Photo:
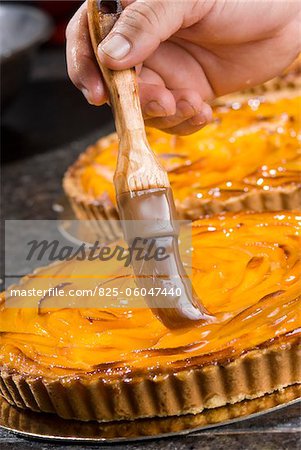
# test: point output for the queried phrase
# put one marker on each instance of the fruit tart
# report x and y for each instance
(249, 158)
(116, 363)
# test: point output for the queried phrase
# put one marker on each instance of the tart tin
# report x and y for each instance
(50, 427)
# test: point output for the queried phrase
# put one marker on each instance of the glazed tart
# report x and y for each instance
(249, 158)
(122, 363)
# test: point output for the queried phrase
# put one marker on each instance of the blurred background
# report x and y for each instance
(41, 110)
(45, 121)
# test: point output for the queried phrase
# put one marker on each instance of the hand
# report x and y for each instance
(187, 52)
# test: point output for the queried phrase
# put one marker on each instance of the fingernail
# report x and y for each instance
(198, 120)
(117, 47)
(154, 109)
(185, 109)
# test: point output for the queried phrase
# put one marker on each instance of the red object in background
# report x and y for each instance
(61, 12)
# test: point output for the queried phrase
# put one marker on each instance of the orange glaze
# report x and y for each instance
(245, 267)
(250, 146)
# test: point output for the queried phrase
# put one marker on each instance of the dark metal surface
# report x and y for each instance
(22, 30)
(50, 119)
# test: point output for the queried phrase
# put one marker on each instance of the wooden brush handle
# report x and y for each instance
(137, 167)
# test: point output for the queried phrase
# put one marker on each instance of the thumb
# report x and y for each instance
(142, 26)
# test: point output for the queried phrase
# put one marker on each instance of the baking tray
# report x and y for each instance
(51, 428)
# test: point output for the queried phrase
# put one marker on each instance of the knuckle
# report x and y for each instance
(153, 11)
(192, 97)
(139, 17)
(77, 22)
(70, 29)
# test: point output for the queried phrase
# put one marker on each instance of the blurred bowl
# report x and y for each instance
(22, 30)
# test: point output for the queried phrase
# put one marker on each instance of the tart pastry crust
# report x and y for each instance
(49, 425)
(270, 367)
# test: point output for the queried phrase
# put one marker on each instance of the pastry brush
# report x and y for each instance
(144, 197)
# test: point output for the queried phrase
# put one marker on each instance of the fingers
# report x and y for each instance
(155, 99)
(81, 64)
(191, 114)
(179, 67)
(173, 110)
(142, 26)
(166, 108)
(192, 125)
